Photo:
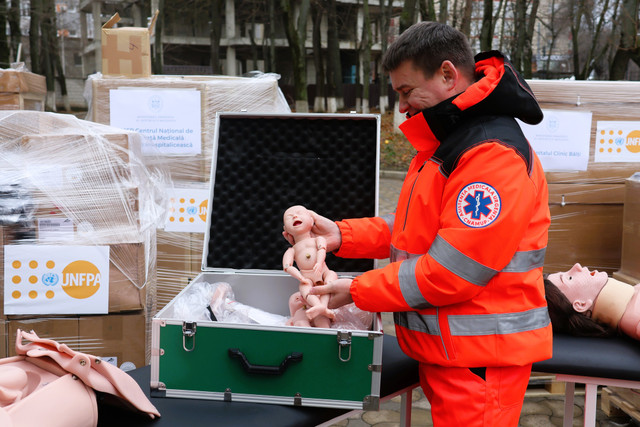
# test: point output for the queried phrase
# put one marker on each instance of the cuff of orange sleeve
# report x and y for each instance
(346, 233)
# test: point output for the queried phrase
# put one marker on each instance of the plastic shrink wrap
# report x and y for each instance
(587, 206)
(180, 242)
(67, 185)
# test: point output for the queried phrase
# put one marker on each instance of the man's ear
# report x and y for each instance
(449, 73)
(582, 305)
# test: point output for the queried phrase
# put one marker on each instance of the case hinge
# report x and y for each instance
(375, 368)
(371, 403)
(344, 340)
(227, 395)
(189, 331)
(297, 399)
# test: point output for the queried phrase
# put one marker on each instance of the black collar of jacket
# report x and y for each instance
(511, 97)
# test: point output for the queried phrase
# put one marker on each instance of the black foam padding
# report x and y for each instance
(264, 164)
(617, 358)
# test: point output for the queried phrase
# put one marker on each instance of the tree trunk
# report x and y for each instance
(465, 25)
(252, 39)
(272, 36)
(527, 51)
(14, 29)
(385, 13)
(319, 102)
(486, 33)
(427, 10)
(627, 48)
(158, 56)
(334, 65)
(408, 16)
(366, 56)
(519, 34)
(444, 12)
(47, 39)
(35, 12)
(5, 50)
(296, 35)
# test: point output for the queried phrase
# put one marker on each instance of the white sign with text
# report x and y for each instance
(168, 119)
(561, 140)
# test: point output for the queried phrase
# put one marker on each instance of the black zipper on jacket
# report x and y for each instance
(406, 214)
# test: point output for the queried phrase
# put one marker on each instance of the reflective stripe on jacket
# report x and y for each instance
(468, 237)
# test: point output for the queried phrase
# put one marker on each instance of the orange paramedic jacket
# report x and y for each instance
(468, 238)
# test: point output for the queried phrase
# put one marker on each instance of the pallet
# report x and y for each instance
(618, 401)
(541, 383)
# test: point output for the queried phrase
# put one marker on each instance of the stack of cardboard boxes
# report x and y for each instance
(587, 206)
(180, 241)
(72, 188)
(22, 90)
(630, 262)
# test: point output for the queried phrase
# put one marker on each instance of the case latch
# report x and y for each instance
(344, 340)
(189, 331)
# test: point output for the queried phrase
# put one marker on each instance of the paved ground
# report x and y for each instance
(541, 408)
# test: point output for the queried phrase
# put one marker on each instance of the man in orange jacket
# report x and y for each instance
(468, 237)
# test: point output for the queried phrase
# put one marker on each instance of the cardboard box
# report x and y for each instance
(126, 51)
(585, 226)
(217, 94)
(607, 101)
(179, 260)
(21, 101)
(3, 338)
(130, 279)
(118, 338)
(630, 263)
(22, 90)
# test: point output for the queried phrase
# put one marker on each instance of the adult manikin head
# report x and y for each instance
(580, 286)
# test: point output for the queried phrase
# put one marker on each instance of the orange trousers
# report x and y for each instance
(460, 397)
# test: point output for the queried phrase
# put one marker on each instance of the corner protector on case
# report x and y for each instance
(158, 389)
(371, 403)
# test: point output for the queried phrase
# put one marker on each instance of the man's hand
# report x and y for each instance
(339, 290)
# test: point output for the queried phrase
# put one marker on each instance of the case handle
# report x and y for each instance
(250, 368)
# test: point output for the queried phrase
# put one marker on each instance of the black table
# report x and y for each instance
(593, 362)
(399, 373)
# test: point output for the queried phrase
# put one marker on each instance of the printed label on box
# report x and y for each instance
(187, 210)
(561, 140)
(168, 119)
(55, 229)
(617, 142)
(51, 279)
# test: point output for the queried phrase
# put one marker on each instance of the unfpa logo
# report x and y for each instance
(614, 142)
(633, 141)
(81, 279)
(52, 279)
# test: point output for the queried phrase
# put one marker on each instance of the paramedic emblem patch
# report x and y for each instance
(478, 205)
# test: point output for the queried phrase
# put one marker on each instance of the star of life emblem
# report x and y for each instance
(478, 205)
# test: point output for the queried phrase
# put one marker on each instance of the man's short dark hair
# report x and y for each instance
(427, 45)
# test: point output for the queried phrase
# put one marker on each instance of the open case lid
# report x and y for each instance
(262, 164)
